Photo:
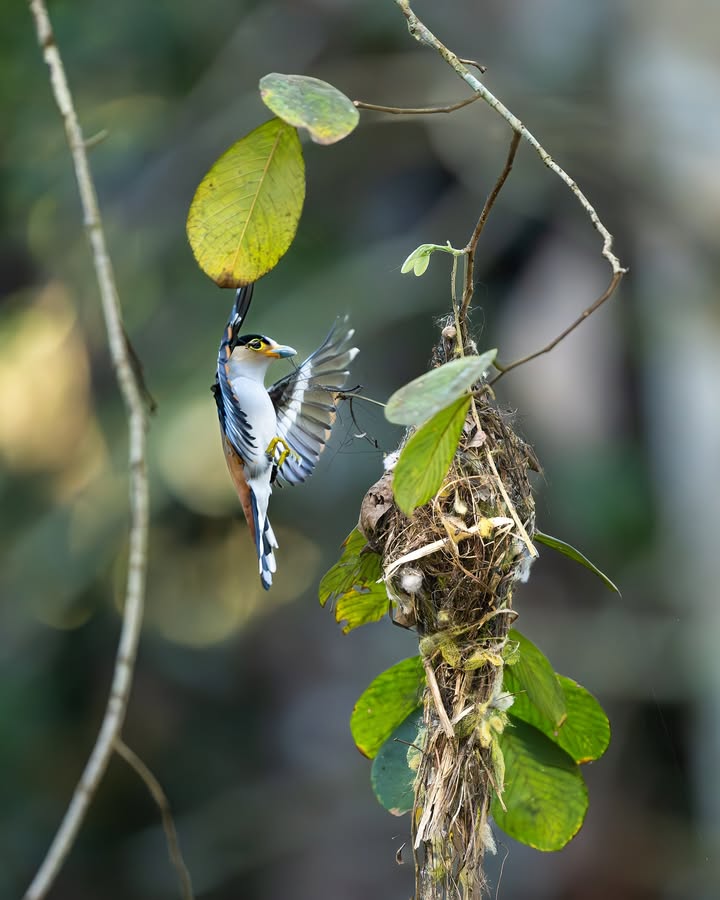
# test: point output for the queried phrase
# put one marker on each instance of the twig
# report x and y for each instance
(607, 293)
(439, 705)
(460, 340)
(473, 62)
(137, 558)
(532, 550)
(96, 139)
(423, 34)
(160, 798)
(348, 395)
(487, 208)
(416, 111)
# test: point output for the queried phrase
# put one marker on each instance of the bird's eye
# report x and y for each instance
(255, 345)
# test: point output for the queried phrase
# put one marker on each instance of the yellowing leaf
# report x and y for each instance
(352, 584)
(362, 605)
(426, 458)
(246, 210)
(310, 103)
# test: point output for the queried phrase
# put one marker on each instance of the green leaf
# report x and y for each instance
(417, 401)
(419, 265)
(545, 795)
(309, 103)
(497, 761)
(425, 459)
(383, 705)
(246, 210)
(584, 735)
(352, 585)
(419, 259)
(362, 605)
(570, 551)
(393, 769)
(535, 676)
(353, 569)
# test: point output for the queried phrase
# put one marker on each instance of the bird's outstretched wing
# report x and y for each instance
(305, 400)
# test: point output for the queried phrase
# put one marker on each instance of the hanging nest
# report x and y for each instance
(451, 570)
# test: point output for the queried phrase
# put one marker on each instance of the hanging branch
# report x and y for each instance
(423, 34)
(139, 502)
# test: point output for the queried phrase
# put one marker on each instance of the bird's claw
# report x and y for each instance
(284, 452)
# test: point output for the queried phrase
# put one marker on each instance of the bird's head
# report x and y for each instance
(256, 348)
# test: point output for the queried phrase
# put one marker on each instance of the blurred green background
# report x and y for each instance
(241, 701)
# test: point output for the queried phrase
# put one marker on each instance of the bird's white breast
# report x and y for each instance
(255, 402)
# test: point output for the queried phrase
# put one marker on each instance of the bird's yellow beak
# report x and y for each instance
(279, 351)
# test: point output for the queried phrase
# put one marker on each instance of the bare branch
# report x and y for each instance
(607, 293)
(423, 34)
(160, 798)
(472, 62)
(416, 111)
(473, 242)
(139, 504)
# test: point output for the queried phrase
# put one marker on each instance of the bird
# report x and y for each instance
(276, 433)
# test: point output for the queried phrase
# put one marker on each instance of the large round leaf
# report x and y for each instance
(246, 210)
(306, 102)
(384, 704)
(584, 735)
(545, 795)
(533, 674)
(394, 768)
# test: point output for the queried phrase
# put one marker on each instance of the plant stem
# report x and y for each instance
(160, 798)
(418, 110)
(487, 208)
(423, 34)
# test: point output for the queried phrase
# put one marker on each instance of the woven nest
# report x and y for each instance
(451, 570)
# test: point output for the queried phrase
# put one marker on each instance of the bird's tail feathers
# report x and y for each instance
(265, 541)
(243, 298)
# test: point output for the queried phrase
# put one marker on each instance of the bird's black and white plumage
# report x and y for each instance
(276, 432)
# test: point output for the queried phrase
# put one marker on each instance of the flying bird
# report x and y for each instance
(277, 432)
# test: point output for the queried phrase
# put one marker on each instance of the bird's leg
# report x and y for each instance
(285, 451)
